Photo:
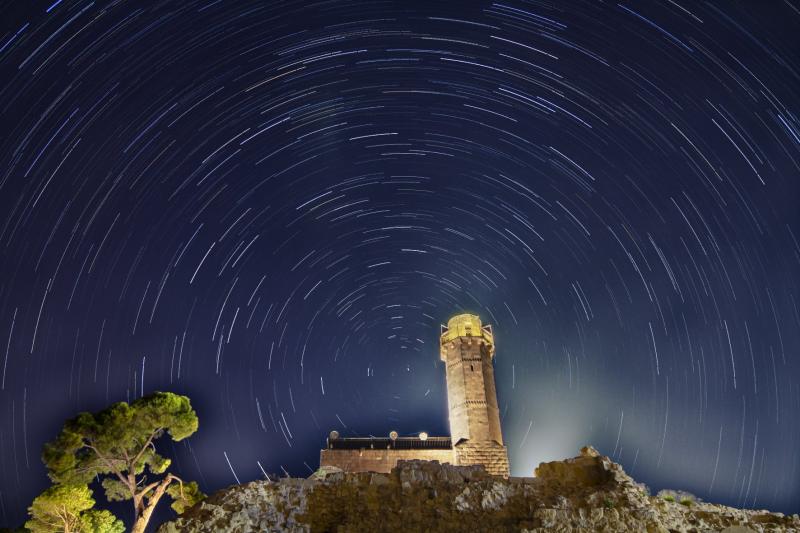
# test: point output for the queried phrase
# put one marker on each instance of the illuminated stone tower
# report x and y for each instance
(467, 349)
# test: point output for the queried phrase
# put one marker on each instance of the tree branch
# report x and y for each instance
(111, 466)
(180, 482)
(146, 444)
(150, 487)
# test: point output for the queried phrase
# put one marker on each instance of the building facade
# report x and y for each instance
(467, 349)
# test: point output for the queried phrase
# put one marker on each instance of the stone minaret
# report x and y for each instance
(467, 348)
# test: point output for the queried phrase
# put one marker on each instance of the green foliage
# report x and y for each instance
(608, 503)
(116, 490)
(59, 508)
(119, 439)
(184, 495)
(117, 444)
(684, 498)
(96, 521)
(69, 508)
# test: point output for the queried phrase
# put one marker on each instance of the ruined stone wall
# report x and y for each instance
(489, 454)
(382, 460)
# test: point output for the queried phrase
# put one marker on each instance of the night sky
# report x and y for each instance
(271, 207)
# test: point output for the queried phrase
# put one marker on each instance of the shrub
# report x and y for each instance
(679, 496)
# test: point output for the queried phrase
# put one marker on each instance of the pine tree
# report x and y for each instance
(117, 445)
(68, 508)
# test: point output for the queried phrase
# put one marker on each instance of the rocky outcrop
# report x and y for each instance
(583, 494)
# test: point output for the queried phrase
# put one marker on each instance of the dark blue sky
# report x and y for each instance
(272, 206)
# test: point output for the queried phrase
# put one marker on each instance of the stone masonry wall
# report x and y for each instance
(471, 395)
(383, 460)
(489, 454)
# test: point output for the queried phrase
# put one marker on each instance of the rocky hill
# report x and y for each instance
(586, 493)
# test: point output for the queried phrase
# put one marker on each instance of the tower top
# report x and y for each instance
(467, 325)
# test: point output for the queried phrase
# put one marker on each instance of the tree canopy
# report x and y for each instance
(68, 508)
(100, 521)
(117, 444)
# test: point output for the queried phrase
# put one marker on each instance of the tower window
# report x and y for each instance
(471, 368)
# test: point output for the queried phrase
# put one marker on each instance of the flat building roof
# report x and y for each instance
(400, 443)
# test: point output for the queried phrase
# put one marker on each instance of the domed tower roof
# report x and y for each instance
(467, 325)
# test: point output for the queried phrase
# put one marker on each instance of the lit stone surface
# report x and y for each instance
(379, 460)
(582, 494)
(471, 394)
(467, 349)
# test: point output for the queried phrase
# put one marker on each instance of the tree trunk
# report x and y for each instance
(140, 525)
(142, 519)
(137, 511)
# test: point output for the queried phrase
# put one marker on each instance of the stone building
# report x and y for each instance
(467, 349)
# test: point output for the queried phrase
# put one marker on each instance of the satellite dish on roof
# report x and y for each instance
(333, 435)
(393, 435)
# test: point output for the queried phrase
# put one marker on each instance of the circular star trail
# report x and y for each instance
(272, 206)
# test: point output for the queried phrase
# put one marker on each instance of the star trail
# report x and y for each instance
(271, 207)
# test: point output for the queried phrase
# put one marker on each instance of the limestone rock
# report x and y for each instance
(586, 493)
(248, 508)
(589, 451)
(496, 497)
(324, 472)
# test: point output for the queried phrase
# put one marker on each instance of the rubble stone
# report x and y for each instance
(583, 494)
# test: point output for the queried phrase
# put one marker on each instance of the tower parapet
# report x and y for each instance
(467, 349)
